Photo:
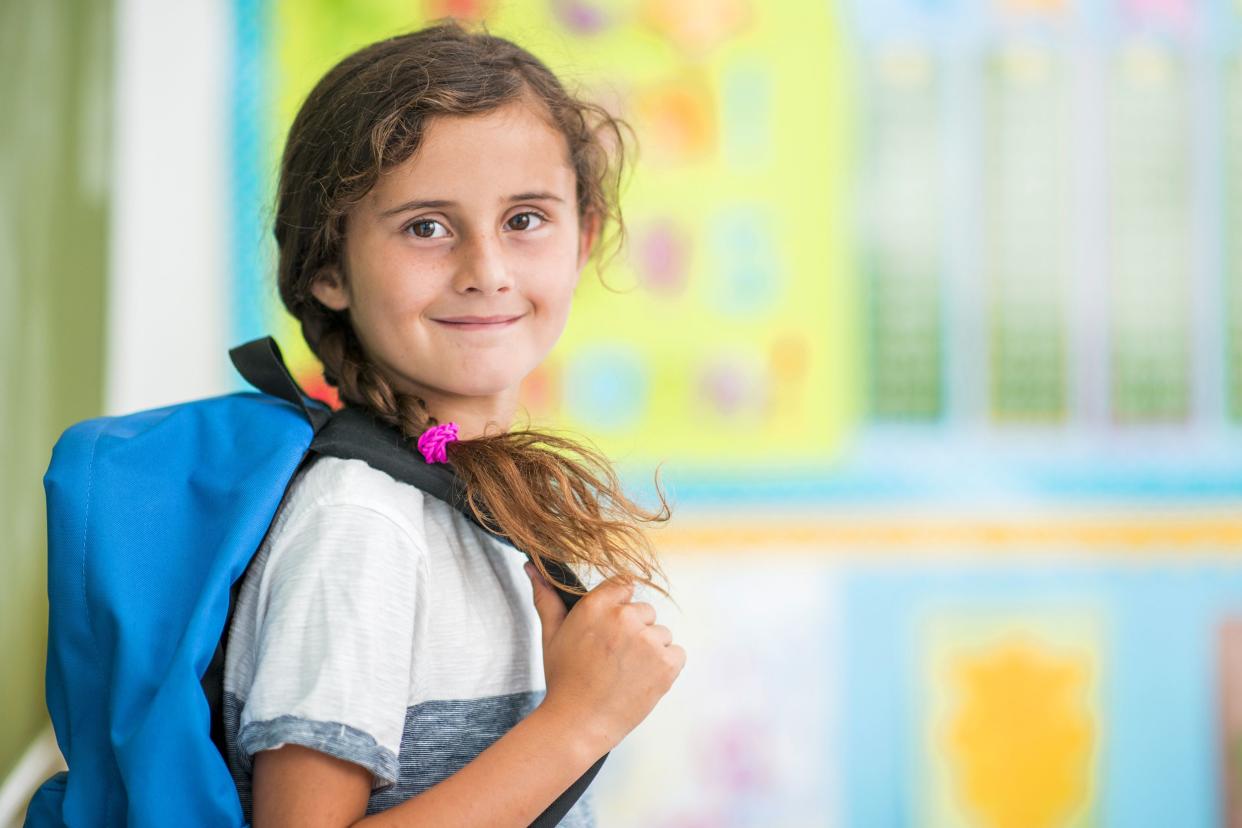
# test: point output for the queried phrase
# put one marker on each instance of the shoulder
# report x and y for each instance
(355, 492)
(345, 523)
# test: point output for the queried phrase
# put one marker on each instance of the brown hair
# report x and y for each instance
(556, 498)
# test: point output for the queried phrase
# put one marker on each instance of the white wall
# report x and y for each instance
(169, 278)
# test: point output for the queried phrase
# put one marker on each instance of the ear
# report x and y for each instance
(329, 288)
(588, 234)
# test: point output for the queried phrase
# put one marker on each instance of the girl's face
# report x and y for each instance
(459, 266)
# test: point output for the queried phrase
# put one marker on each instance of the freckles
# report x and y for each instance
(412, 292)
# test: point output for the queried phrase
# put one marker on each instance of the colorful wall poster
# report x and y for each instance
(932, 312)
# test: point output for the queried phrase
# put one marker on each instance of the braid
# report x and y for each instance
(360, 384)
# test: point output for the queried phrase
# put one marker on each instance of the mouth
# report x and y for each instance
(479, 323)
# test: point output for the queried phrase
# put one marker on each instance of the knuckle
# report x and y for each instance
(613, 589)
(633, 611)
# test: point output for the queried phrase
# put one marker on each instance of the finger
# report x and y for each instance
(548, 605)
(644, 611)
(661, 634)
(616, 590)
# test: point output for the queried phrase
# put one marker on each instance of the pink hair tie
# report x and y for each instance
(434, 439)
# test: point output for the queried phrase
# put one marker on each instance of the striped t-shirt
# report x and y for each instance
(379, 625)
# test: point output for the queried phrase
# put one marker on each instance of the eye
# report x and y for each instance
(526, 224)
(417, 225)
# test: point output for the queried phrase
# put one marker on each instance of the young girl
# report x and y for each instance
(439, 195)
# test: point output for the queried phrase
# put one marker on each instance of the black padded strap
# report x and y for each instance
(262, 365)
(353, 433)
(557, 810)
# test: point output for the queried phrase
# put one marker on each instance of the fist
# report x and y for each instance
(606, 662)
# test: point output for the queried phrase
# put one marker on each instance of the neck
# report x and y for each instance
(475, 416)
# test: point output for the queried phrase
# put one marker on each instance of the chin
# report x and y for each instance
(482, 386)
(485, 378)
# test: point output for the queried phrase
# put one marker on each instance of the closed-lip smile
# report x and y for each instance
(480, 322)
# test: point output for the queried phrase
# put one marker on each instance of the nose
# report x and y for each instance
(482, 267)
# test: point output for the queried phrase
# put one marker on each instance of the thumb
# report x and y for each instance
(548, 603)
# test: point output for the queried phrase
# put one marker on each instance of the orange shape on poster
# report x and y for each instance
(466, 10)
(1021, 738)
(696, 26)
(678, 120)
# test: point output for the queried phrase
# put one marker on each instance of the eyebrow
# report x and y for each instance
(436, 203)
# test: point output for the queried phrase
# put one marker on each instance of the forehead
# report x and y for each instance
(481, 158)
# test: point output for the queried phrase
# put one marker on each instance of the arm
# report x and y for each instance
(508, 784)
(606, 663)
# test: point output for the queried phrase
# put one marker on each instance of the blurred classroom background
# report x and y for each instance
(932, 312)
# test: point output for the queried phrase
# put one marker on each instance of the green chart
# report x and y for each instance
(1151, 214)
(904, 228)
(1026, 211)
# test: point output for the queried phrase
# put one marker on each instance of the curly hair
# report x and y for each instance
(556, 498)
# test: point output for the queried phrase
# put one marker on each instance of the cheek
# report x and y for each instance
(388, 319)
(560, 279)
(555, 302)
(399, 294)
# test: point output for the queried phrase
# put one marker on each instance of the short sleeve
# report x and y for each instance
(334, 631)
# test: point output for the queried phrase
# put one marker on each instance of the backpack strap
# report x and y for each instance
(356, 434)
(261, 364)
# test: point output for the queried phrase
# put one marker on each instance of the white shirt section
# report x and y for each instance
(335, 634)
(369, 597)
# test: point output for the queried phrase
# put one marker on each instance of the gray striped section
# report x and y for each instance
(439, 738)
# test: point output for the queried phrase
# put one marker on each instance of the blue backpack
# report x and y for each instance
(152, 519)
